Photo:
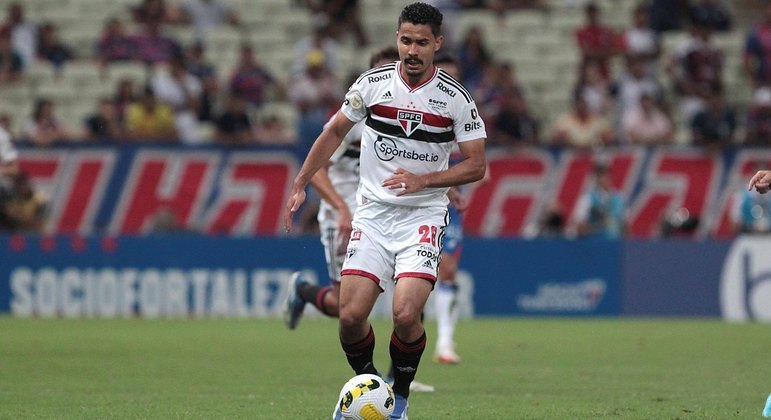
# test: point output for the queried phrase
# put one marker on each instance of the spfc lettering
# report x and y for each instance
(409, 120)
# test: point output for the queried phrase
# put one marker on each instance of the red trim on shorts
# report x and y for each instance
(424, 276)
(351, 272)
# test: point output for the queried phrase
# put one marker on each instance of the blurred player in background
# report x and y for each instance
(446, 294)
(336, 183)
(414, 115)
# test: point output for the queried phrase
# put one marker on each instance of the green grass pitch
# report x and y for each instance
(520, 368)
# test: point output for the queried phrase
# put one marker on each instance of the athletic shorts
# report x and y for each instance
(390, 242)
(453, 236)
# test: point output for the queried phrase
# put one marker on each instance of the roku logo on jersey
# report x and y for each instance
(375, 79)
(441, 86)
(386, 150)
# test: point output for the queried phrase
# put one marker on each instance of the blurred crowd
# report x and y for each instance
(628, 90)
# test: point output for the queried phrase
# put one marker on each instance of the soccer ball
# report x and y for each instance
(366, 397)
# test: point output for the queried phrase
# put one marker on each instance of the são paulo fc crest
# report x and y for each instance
(409, 120)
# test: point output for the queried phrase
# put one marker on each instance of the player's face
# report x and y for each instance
(417, 46)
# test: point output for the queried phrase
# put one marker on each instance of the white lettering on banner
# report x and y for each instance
(564, 297)
(149, 293)
(745, 282)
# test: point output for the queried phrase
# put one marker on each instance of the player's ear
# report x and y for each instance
(439, 41)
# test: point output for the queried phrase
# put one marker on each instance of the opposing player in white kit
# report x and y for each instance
(414, 113)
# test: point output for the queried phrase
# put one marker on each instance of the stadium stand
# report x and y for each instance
(539, 43)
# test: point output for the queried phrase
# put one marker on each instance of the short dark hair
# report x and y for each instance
(386, 53)
(422, 14)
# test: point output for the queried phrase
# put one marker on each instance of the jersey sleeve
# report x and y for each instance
(354, 106)
(468, 123)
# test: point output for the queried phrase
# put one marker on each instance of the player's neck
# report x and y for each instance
(415, 81)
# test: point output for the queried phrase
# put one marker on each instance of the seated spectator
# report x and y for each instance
(552, 222)
(581, 129)
(206, 73)
(153, 47)
(758, 130)
(148, 120)
(635, 82)
(273, 130)
(500, 80)
(711, 13)
(251, 79)
(342, 15)
(597, 42)
(24, 209)
(150, 12)
(316, 94)
(595, 89)
(646, 124)
(668, 15)
(114, 44)
(44, 129)
(23, 33)
(514, 125)
(104, 124)
(600, 212)
(757, 51)
(182, 91)
(8, 154)
(50, 48)
(205, 15)
(714, 127)
(11, 65)
(234, 126)
(696, 68)
(123, 97)
(473, 57)
(641, 42)
(320, 39)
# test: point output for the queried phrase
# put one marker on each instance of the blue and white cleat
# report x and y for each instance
(400, 408)
(294, 304)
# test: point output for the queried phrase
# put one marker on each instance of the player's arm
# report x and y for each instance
(322, 149)
(471, 168)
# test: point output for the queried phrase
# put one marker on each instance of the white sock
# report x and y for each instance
(446, 315)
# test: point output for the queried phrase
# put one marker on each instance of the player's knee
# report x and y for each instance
(405, 317)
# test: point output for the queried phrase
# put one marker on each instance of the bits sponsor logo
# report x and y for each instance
(475, 125)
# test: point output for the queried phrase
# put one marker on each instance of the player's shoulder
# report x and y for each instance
(377, 75)
(452, 87)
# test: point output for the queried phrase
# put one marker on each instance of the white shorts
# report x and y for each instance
(389, 242)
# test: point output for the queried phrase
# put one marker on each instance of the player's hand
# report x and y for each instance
(761, 181)
(404, 180)
(296, 199)
(457, 200)
(344, 228)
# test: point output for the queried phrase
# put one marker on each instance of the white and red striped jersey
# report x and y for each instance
(343, 171)
(413, 128)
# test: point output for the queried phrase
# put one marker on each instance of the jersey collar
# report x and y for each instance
(407, 84)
